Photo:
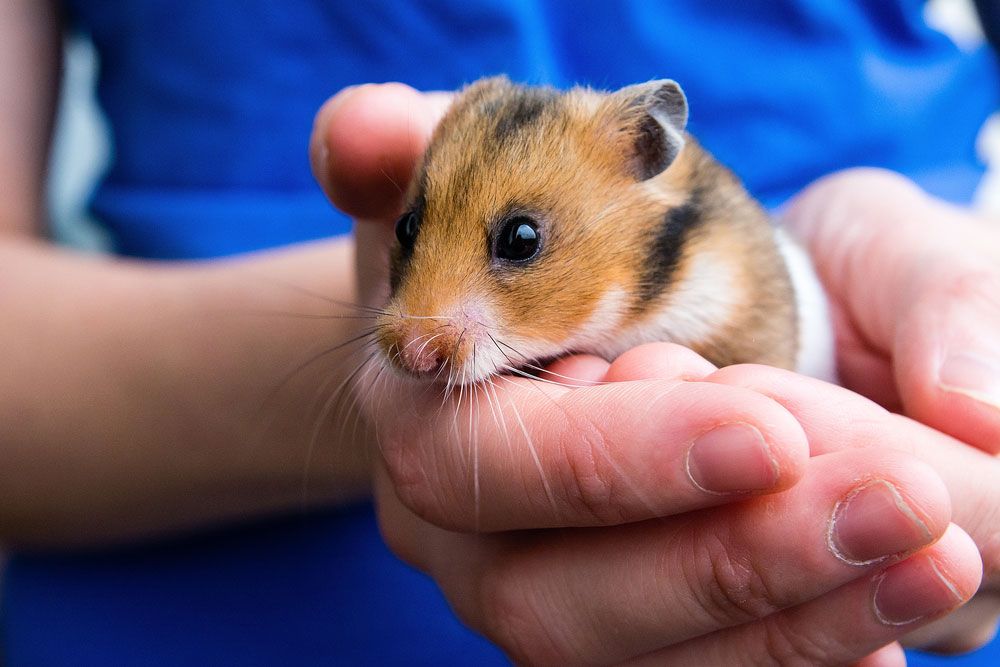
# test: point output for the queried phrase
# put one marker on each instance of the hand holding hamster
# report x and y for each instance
(639, 460)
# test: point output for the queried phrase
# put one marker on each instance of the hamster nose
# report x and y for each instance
(422, 358)
(425, 346)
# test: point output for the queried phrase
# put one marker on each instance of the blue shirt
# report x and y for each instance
(210, 105)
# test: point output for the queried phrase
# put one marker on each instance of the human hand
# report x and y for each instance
(971, 476)
(915, 292)
(914, 285)
(561, 522)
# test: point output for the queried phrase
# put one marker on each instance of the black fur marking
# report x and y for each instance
(399, 259)
(679, 223)
(519, 110)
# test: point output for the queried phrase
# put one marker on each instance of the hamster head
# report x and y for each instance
(526, 227)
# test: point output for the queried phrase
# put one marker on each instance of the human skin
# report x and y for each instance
(504, 582)
(139, 399)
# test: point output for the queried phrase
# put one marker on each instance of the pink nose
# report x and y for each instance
(423, 346)
(422, 357)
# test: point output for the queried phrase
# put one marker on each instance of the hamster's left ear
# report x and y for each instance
(652, 117)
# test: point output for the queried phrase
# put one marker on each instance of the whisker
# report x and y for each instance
(368, 333)
(474, 440)
(534, 454)
(578, 381)
(316, 295)
(324, 412)
(305, 316)
(391, 180)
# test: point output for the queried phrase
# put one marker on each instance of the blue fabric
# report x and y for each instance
(213, 101)
(316, 591)
(210, 104)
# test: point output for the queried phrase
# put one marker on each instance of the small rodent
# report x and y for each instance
(542, 223)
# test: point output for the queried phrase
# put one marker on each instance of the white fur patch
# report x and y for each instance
(817, 354)
(602, 323)
(700, 304)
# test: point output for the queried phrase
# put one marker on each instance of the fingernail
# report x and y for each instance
(731, 458)
(912, 590)
(972, 375)
(873, 522)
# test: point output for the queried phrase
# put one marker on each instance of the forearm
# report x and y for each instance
(30, 48)
(139, 399)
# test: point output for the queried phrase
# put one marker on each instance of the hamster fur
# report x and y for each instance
(542, 223)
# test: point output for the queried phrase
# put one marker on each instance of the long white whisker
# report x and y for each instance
(335, 396)
(534, 454)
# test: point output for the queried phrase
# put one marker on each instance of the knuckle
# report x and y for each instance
(589, 479)
(415, 482)
(784, 644)
(732, 587)
(512, 619)
(973, 284)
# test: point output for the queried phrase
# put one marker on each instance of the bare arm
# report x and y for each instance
(136, 399)
(142, 398)
(30, 48)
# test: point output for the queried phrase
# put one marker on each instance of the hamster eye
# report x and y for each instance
(406, 229)
(519, 239)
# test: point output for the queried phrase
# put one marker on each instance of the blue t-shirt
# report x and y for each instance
(210, 105)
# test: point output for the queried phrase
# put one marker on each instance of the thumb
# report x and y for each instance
(917, 284)
(365, 144)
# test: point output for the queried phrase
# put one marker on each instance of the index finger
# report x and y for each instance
(521, 453)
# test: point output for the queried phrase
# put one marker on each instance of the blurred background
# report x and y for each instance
(81, 149)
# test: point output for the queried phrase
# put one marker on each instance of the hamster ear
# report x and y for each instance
(653, 115)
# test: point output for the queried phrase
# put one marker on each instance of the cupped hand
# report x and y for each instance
(915, 289)
(636, 518)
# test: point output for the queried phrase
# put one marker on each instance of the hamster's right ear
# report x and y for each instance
(652, 117)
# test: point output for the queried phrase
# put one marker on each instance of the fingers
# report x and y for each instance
(918, 284)
(971, 627)
(577, 370)
(656, 361)
(949, 374)
(852, 621)
(891, 655)
(834, 419)
(864, 228)
(660, 583)
(365, 143)
(601, 596)
(526, 454)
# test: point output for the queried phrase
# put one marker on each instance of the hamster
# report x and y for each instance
(542, 223)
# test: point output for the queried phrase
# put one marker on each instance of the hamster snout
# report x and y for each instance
(431, 346)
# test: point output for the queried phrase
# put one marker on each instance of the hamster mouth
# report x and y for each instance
(533, 367)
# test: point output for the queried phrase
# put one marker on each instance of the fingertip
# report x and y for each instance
(578, 370)
(929, 584)
(957, 558)
(781, 440)
(891, 655)
(659, 361)
(948, 367)
(365, 143)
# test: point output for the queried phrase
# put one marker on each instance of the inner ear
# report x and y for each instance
(654, 115)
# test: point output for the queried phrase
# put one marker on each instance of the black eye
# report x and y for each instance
(519, 239)
(406, 229)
